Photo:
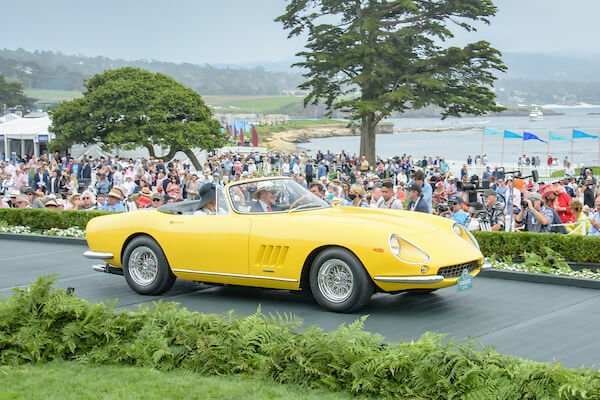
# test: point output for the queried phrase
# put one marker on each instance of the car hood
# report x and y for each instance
(398, 221)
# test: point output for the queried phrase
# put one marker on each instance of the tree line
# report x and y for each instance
(54, 70)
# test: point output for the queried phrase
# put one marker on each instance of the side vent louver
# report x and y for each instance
(271, 256)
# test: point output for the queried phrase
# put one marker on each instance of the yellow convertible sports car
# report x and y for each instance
(274, 233)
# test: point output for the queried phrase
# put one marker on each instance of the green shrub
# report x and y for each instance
(39, 218)
(512, 244)
(42, 324)
(493, 244)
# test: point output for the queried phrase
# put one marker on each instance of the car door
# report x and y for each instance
(217, 244)
(276, 251)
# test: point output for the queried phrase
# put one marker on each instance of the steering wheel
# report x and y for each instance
(298, 200)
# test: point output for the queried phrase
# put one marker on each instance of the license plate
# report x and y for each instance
(464, 282)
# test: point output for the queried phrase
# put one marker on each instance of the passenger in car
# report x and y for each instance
(208, 202)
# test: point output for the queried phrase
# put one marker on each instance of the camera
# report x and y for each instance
(524, 204)
(442, 208)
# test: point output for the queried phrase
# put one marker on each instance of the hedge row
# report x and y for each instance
(42, 324)
(498, 244)
(573, 248)
(39, 218)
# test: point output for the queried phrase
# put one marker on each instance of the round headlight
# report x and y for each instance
(395, 245)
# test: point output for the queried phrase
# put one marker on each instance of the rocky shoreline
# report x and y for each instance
(288, 141)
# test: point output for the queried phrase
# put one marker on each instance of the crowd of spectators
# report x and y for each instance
(568, 204)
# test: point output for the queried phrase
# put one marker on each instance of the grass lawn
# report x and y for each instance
(52, 96)
(561, 172)
(249, 104)
(70, 380)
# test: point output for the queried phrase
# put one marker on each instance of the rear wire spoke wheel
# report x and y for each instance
(339, 282)
(143, 266)
(146, 268)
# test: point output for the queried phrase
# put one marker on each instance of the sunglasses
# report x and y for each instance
(85, 198)
(155, 199)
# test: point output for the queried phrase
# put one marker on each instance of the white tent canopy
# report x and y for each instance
(24, 135)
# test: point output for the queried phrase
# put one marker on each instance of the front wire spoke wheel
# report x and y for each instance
(336, 280)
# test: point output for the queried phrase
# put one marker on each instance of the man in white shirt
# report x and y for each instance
(389, 200)
(117, 177)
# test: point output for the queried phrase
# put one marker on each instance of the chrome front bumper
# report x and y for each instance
(97, 255)
(410, 279)
(429, 279)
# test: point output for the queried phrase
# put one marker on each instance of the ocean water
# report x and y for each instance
(456, 138)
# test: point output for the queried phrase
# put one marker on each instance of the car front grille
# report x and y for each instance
(455, 271)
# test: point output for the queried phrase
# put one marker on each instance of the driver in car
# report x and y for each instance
(265, 195)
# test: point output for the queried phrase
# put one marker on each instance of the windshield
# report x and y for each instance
(272, 195)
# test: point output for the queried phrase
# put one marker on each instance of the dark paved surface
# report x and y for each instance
(535, 321)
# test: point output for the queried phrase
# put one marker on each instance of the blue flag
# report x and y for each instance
(491, 132)
(582, 135)
(511, 135)
(531, 136)
(555, 136)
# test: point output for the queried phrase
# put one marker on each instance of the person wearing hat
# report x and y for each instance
(114, 201)
(265, 196)
(416, 203)
(494, 210)
(143, 199)
(88, 200)
(535, 216)
(73, 202)
(22, 201)
(157, 200)
(33, 198)
(207, 200)
(52, 204)
(13, 197)
(455, 211)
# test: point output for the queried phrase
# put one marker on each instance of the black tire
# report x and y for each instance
(154, 276)
(339, 282)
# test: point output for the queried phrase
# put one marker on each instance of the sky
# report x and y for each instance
(243, 31)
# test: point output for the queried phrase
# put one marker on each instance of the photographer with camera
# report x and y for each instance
(534, 215)
(454, 210)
